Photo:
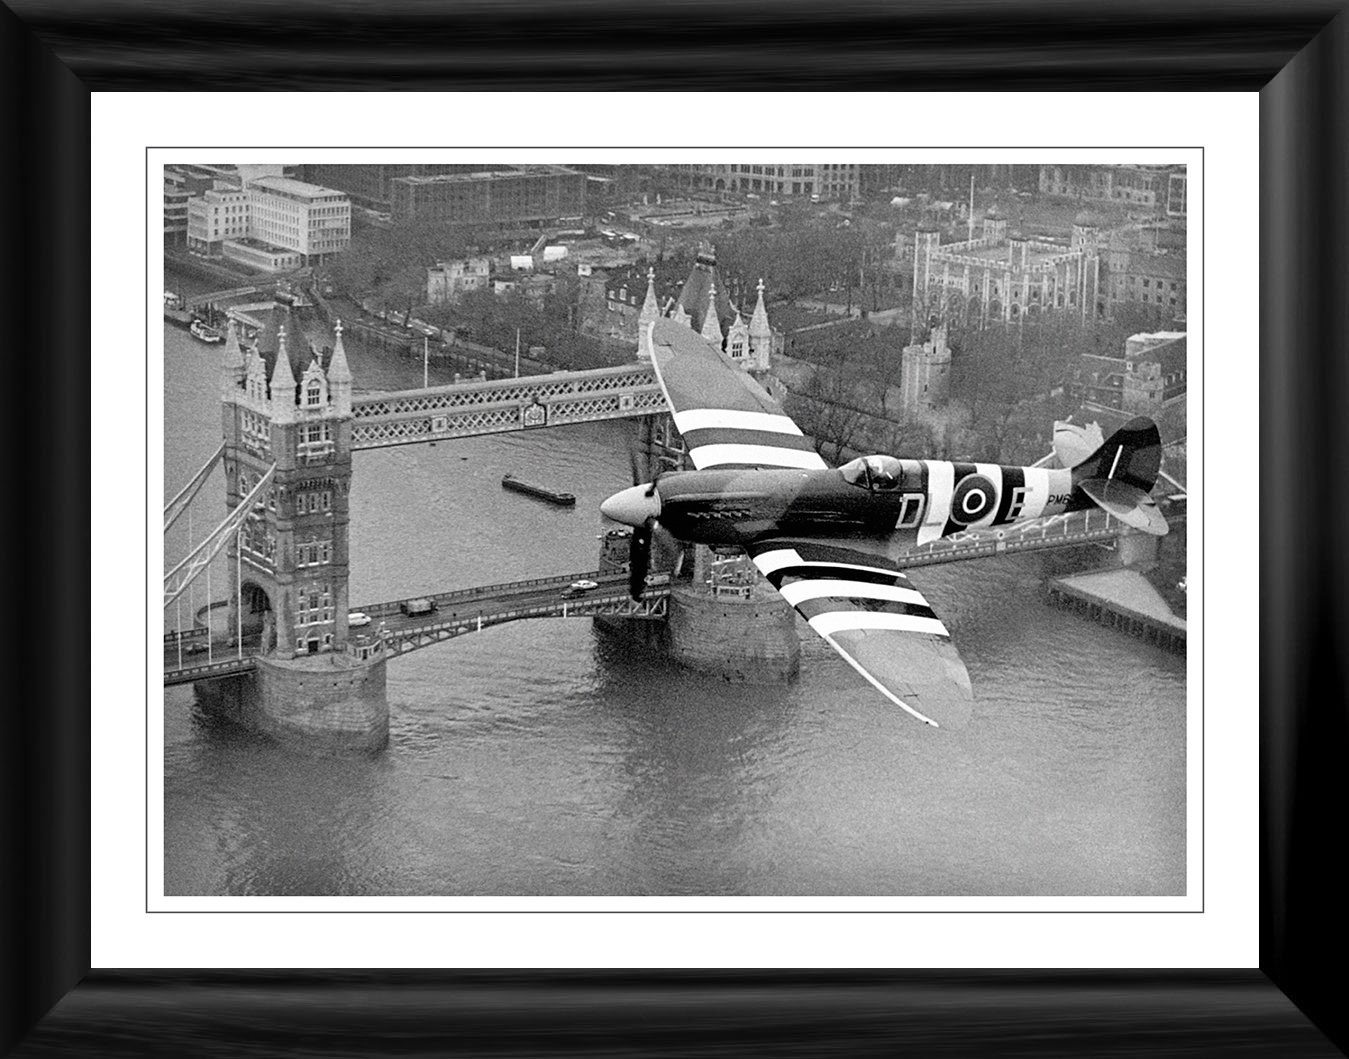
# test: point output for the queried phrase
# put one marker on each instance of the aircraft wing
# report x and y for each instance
(727, 419)
(870, 613)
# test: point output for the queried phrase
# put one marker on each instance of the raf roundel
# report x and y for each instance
(973, 499)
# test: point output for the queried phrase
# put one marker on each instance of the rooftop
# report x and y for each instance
(1169, 353)
(1167, 266)
(298, 188)
(1036, 254)
(483, 174)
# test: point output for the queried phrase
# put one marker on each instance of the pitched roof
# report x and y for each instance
(694, 294)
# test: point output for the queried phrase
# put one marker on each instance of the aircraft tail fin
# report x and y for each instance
(1132, 455)
(1119, 476)
(1075, 442)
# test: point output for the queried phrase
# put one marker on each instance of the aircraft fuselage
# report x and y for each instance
(881, 498)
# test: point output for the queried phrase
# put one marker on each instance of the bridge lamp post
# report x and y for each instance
(209, 657)
(239, 591)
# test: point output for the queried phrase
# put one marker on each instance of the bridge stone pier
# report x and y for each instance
(313, 684)
(330, 703)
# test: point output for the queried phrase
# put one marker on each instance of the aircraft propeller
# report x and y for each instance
(644, 530)
(639, 557)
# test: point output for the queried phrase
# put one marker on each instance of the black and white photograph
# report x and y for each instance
(659, 527)
(669, 530)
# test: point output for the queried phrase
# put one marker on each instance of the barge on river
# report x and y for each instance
(538, 491)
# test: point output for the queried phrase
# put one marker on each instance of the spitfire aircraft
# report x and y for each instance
(826, 539)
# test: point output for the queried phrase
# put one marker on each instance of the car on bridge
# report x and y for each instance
(357, 618)
(415, 607)
(579, 588)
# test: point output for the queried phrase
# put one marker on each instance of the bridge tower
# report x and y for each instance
(291, 556)
(723, 617)
(294, 560)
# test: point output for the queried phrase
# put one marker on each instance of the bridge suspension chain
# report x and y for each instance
(175, 507)
(177, 579)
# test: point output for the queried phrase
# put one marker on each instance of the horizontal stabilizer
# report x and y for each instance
(1127, 503)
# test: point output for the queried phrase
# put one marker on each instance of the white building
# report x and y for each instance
(448, 280)
(215, 216)
(313, 221)
(271, 223)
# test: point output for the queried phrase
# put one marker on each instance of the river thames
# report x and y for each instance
(546, 758)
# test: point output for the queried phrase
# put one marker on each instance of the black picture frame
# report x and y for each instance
(53, 54)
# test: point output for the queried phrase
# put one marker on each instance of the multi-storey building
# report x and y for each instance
(181, 184)
(370, 185)
(270, 223)
(528, 195)
(175, 214)
(447, 281)
(609, 300)
(838, 182)
(1176, 187)
(1140, 269)
(1139, 187)
(216, 215)
(944, 180)
(312, 221)
(1148, 378)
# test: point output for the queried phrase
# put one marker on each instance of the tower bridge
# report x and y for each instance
(283, 657)
(462, 410)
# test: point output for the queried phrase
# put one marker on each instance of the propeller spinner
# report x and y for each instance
(637, 506)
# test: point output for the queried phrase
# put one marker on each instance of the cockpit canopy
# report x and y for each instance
(879, 473)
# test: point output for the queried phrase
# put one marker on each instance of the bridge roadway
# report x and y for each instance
(186, 657)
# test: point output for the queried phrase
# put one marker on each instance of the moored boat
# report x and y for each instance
(540, 492)
(202, 333)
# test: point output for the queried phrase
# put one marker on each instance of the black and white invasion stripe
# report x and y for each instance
(721, 437)
(834, 592)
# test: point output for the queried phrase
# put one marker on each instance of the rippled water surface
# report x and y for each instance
(543, 757)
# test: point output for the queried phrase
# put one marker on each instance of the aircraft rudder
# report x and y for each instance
(1132, 455)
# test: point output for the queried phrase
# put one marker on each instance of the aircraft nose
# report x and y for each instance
(632, 506)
